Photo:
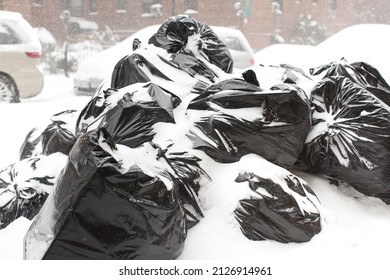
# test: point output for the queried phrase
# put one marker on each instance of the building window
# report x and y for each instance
(314, 2)
(151, 8)
(64, 5)
(37, 3)
(2, 5)
(277, 7)
(76, 7)
(191, 5)
(121, 5)
(332, 7)
(93, 6)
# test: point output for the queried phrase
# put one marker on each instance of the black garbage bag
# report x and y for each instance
(111, 202)
(234, 118)
(361, 73)
(186, 61)
(58, 136)
(131, 124)
(175, 36)
(129, 71)
(283, 209)
(349, 140)
(151, 95)
(25, 185)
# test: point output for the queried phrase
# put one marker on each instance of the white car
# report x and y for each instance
(20, 52)
(238, 45)
(92, 71)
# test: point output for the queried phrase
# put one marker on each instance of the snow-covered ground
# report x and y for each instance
(356, 227)
(353, 243)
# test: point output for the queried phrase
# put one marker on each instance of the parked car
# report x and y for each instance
(92, 71)
(238, 45)
(20, 51)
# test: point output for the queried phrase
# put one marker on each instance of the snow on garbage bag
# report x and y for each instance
(25, 185)
(234, 118)
(159, 99)
(270, 75)
(132, 124)
(185, 36)
(281, 206)
(360, 73)
(110, 202)
(58, 136)
(130, 70)
(349, 140)
(151, 64)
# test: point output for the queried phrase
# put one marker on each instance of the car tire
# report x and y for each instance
(8, 91)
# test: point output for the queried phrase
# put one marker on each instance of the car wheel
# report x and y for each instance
(8, 90)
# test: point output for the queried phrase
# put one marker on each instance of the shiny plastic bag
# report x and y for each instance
(58, 136)
(111, 202)
(147, 95)
(349, 140)
(130, 70)
(131, 124)
(181, 33)
(26, 184)
(234, 118)
(282, 208)
(360, 73)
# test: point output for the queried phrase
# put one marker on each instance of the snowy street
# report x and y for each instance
(193, 148)
(355, 227)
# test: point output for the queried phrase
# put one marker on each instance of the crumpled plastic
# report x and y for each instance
(131, 124)
(129, 70)
(58, 136)
(147, 95)
(282, 208)
(349, 140)
(181, 33)
(234, 118)
(360, 73)
(111, 202)
(126, 194)
(25, 186)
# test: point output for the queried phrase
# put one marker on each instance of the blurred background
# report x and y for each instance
(99, 24)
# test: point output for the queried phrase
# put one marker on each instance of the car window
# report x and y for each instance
(233, 43)
(7, 35)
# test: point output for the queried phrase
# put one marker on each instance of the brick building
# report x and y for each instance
(260, 20)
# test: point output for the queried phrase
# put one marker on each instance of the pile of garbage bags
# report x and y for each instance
(132, 161)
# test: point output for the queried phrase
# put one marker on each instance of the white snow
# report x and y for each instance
(354, 241)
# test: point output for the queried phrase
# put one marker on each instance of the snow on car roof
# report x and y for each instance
(10, 15)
